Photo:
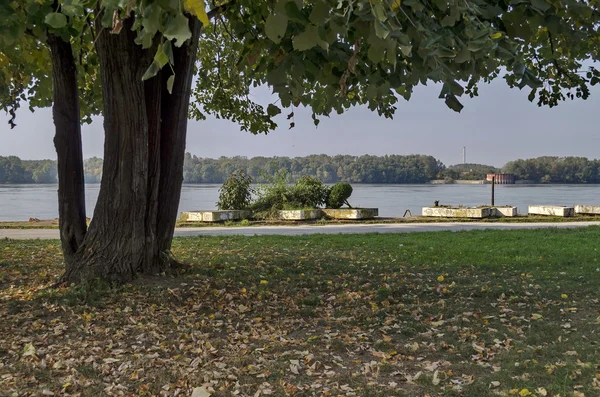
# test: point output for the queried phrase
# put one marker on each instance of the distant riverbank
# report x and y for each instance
(388, 169)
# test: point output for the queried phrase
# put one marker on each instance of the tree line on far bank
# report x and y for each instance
(330, 169)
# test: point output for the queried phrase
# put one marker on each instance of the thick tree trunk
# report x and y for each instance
(67, 140)
(145, 128)
(174, 130)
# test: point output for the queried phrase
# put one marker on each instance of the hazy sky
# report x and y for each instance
(498, 126)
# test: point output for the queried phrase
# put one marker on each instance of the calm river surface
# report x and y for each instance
(21, 202)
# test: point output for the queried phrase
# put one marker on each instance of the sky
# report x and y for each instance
(498, 126)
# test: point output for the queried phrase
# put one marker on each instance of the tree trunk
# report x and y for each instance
(145, 128)
(174, 131)
(67, 140)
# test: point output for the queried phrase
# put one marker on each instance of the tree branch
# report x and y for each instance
(217, 11)
(555, 61)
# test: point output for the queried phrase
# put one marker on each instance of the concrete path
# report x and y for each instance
(23, 234)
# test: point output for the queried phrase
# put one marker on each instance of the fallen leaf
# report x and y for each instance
(200, 392)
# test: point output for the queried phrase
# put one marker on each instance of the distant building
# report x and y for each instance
(502, 179)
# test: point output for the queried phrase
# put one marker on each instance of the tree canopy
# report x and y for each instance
(325, 54)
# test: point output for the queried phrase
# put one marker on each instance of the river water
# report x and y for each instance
(21, 202)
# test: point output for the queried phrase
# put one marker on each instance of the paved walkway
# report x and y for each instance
(23, 234)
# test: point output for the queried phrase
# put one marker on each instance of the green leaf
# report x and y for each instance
(372, 91)
(455, 88)
(307, 39)
(170, 82)
(444, 52)
(177, 29)
(72, 10)
(377, 47)
(477, 45)
(391, 52)
(381, 30)
(276, 26)
(441, 4)
(168, 50)
(445, 91)
(107, 15)
(406, 50)
(152, 71)
(448, 20)
(541, 5)
(379, 11)
(160, 57)
(56, 20)
(320, 13)
(376, 53)
(151, 21)
(294, 13)
(519, 68)
(453, 103)
(463, 56)
(273, 110)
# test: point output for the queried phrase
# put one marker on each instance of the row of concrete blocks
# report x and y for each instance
(291, 215)
(486, 212)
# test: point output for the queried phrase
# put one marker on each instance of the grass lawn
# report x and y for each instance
(480, 313)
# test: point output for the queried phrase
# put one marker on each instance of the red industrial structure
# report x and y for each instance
(502, 179)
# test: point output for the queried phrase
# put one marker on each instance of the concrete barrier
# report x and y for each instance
(504, 211)
(477, 212)
(351, 213)
(215, 216)
(553, 210)
(300, 215)
(449, 212)
(587, 209)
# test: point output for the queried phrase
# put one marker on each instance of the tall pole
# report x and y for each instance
(464, 154)
(493, 183)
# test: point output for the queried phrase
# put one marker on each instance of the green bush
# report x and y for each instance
(339, 194)
(236, 192)
(309, 192)
(272, 197)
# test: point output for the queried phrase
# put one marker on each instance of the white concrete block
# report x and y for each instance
(504, 211)
(553, 210)
(449, 212)
(351, 213)
(300, 215)
(215, 216)
(587, 209)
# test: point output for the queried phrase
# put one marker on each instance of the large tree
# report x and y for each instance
(138, 62)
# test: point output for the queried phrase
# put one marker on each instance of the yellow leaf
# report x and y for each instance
(264, 282)
(198, 9)
(396, 4)
(524, 392)
(28, 350)
(564, 296)
(496, 35)
(440, 278)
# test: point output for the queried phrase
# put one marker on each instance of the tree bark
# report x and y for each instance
(67, 141)
(145, 128)
(174, 131)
